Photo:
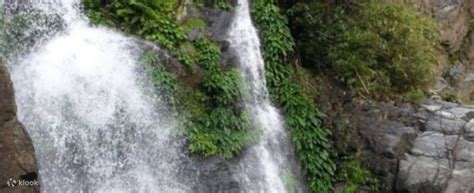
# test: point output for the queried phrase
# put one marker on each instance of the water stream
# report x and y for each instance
(95, 122)
(98, 125)
(267, 164)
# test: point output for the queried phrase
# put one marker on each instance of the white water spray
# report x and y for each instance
(94, 120)
(266, 163)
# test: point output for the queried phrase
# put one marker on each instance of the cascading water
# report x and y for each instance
(94, 121)
(267, 164)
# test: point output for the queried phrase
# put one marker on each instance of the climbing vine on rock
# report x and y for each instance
(303, 119)
(223, 129)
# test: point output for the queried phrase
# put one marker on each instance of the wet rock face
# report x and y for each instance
(17, 156)
(217, 175)
(442, 157)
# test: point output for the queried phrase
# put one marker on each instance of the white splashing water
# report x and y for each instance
(265, 163)
(94, 120)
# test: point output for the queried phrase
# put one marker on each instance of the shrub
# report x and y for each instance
(220, 132)
(352, 173)
(381, 49)
(223, 129)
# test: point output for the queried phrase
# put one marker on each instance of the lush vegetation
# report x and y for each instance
(380, 49)
(354, 175)
(221, 128)
(209, 104)
(303, 119)
(214, 122)
(152, 19)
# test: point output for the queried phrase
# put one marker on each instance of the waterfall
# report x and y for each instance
(267, 164)
(94, 119)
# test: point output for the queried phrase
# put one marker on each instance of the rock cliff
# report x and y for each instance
(456, 21)
(17, 160)
(425, 148)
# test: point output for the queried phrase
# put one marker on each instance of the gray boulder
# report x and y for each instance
(442, 157)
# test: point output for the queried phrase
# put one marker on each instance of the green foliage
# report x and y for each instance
(209, 118)
(212, 121)
(451, 96)
(415, 96)
(162, 79)
(381, 49)
(222, 130)
(219, 4)
(193, 23)
(222, 86)
(224, 5)
(151, 19)
(314, 26)
(352, 173)
(310, 140)
(187, 54)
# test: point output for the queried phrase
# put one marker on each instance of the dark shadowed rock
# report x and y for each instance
(387, 132)
(217, 175)
(218, 21)
(17, 155)
(7, 102)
